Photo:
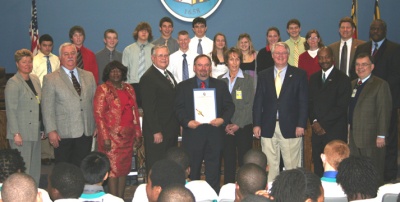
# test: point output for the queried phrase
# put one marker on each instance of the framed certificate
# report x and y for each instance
(205, 108)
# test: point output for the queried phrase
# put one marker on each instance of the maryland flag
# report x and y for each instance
(377, 13)
(354, 17)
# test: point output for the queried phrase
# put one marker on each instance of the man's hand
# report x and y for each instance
(299, 132)
(217, 122)
(317, 128)
(231, 129)
(380, 142)
(54, 138)
(257, 132)
(158, 138)
(18, 139)
(95, 132)
(193, 124)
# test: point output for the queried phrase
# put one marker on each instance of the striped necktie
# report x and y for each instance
(48, 64)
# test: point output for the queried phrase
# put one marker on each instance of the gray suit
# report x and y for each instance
(64, 111)
(23, 118)
(336, 52)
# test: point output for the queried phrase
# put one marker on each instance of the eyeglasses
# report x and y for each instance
(280, 53)
(162, 56)
(363, 64)
(313, 38)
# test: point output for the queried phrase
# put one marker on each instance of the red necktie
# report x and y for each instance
(203, 85)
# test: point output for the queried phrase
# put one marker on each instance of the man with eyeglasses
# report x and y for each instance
(386, 55)
(344, 49)
(369, 113)
(280, 111)
(160, 126)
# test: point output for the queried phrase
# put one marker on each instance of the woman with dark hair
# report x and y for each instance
(117, 119)
(309, 60)
(239, 133)
(264, 56)
(217, 55)
(22, 96)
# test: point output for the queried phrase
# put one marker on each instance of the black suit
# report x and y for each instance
(158, 97)
(204, 142)
(328, 103)
(387, 67)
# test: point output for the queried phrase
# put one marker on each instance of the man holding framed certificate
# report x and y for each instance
(202, 139)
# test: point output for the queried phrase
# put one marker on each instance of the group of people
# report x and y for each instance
(271, 93)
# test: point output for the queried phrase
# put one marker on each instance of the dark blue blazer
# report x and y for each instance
(292, 102)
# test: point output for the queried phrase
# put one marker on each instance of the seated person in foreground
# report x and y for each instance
(95, 168)
(334, 152)
(358, 177)
(176, 193)
(250, 178)
(297, 185)
(20, 187)
(65, 182)
(12, 162)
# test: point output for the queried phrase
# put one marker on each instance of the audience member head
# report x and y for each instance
(358, 177)
(199, 27)
(183, 40)
(162, 174)
(11, 162)
(115, 65)
(166, 27)
(293, 27)
(250, 178)
(346, 28)
(20, 187)
(273, 36)
(255, 198)
(143, 32)
(45, 44)
(245, 44)
(181, 157)
(65, 181)
(110, 39)
(297, 185)
(176, 193)
(220, 44)
(377, 30)
(313, 40)
(77, 35)
(334, 152)
(95, 168)
(257, 157)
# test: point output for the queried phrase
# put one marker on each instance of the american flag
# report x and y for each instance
(33, 30)
(354, 17)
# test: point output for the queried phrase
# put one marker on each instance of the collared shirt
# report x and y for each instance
(68, 72)
(379, 44)
(291, 43)
(206, 44)
(103, 58)
(176, 61)
(365, 79)
(199, 82)
(40, 65)
(348, 44)
(130, 58)
(231, 84)
(172, 44)
(282, 74)
(327, 72)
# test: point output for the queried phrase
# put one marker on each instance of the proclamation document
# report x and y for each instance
(204, 105)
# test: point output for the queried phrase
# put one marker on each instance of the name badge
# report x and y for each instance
(354, 92)
(239, 94)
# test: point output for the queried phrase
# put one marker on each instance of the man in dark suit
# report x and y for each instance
(203, 141)
(330, 91)
(160, 126)
(387, 67)
(67, 108)
(280, 111)
(369, 113)
(344, 57)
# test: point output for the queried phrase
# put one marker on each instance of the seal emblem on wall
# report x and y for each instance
(187, 10)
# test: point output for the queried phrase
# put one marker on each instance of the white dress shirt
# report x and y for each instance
(206, 44)
(348, 44)
(176, 61)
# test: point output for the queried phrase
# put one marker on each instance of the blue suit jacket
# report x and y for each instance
(292, 102)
